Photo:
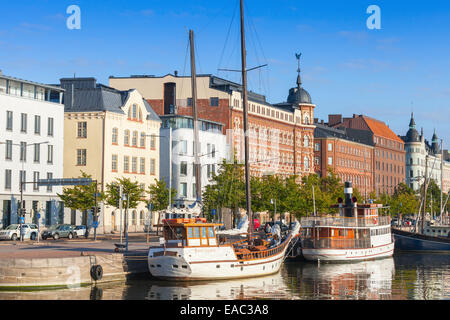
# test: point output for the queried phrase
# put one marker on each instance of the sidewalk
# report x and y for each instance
(72, 248)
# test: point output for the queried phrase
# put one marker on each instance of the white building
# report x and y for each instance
(213, 149)
(420, 154)
(31, 148)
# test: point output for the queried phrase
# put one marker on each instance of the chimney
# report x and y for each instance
(176, 73)
(1, 72)
(349, 206)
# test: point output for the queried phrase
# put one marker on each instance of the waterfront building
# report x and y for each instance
(213, 149)
(420, 153)
(349, 153)
(389, 151)
(110, 134)
(281, 135)
(31, 148)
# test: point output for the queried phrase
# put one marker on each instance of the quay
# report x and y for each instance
(70, 263)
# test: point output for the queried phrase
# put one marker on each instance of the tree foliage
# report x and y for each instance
(80, 197)
(159, 195)
(133, 189)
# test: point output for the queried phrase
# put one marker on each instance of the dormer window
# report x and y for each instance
(135, 113)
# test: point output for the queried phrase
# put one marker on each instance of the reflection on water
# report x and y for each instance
(406, 276)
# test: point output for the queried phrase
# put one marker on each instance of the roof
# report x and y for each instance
(379, 128)
(352, 135)
(52, 87)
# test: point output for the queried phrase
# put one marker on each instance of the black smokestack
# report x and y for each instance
(348, 209)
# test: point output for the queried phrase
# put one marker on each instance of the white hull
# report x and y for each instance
(346, 255)
(212, 263)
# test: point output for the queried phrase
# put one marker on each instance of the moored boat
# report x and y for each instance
(358, 234)
(191, 250)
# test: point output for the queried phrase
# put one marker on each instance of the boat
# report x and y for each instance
(358, 234)
(192, 250)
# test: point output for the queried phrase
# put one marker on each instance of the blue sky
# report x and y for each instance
(346, 67)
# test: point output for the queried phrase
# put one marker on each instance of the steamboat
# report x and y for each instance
(357, 234)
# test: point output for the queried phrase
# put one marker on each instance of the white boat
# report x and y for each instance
(191, 250)
(358, 234)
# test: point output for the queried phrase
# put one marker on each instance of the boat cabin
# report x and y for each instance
(189, 233)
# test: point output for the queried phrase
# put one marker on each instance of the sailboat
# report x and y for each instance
(191, 248)
(426, 237)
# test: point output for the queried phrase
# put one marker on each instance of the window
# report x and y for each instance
(183, 189)
(317, 147)
(306, 141)
(8, 174)
(126, 138)
(114, 165)
(37, 153)
(50, 154)
(35, 180)
(9, 120)
(142, 166)
(115, 136)
(50, 127)
(81, 157)
(8, 154)
(183, 168)
(214, 102)
(134, 139)
(306, 163)
(126, 164)
(142, 141)
(23, 178)
(23, 151)
(82, 130)
(189, 102)
(49, 177)
(152, 167)
(23, 123)
(37, 124)
(183, 147)
(330, 147)
(153, 142)
(134, 165)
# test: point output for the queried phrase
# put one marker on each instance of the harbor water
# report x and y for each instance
(406, 276)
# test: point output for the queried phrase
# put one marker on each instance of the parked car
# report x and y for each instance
(80, 231)
(59, 231)
(13, 232)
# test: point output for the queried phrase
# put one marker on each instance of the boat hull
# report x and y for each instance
(349, 255)
(408, 241)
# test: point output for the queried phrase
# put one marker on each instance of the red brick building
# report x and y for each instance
(281, 135)
(350, 155)
(389, 152)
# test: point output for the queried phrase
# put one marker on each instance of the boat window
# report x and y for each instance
(190, 232)
(210, 232)
(203, 232)
(196, 232)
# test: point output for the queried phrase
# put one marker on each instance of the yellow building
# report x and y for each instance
(110, 134)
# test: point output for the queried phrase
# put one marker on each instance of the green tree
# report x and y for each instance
(133, 189)
(159, 195)
(227, 189)
(81, 198)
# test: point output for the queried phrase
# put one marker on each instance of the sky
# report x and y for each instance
(346, 67)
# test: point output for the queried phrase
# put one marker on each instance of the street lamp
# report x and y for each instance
(21, 211)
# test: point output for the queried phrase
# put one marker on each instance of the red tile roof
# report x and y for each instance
(379, 128)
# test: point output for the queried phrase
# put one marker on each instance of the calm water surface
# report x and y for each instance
(404, 277)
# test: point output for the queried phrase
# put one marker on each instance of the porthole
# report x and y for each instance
(184, 267)
(159, 266)
(242, 268)
(152, 266)
(218, 266)
(175, 266)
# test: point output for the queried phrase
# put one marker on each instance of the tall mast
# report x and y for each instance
(246, 132)
(442, 179)
(424, 195)
(197, 165)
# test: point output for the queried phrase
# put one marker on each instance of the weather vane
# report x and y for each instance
(298, 56)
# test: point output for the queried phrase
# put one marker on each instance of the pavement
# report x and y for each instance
(64, 248)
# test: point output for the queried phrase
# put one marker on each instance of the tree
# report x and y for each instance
(81, 198)
(159, 195)
(227, 189)
(132, 189)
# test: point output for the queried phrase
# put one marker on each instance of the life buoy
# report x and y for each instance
(375, 220)
(97, 272)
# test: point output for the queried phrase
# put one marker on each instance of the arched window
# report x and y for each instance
(133, 218)
(139, 115)
(306, 119)
(134, 115)
(142, 218)
(306, 162)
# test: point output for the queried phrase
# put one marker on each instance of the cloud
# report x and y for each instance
(354, 36)
(34, 27)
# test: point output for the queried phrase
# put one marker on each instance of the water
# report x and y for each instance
(404, 277)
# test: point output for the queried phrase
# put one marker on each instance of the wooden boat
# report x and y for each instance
(411, 241)
(358, 234)
(191, 250)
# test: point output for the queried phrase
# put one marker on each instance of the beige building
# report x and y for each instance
(110, 134)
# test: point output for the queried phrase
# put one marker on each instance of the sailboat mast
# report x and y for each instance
(424, 196)
(197, 165)
(246, 131)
